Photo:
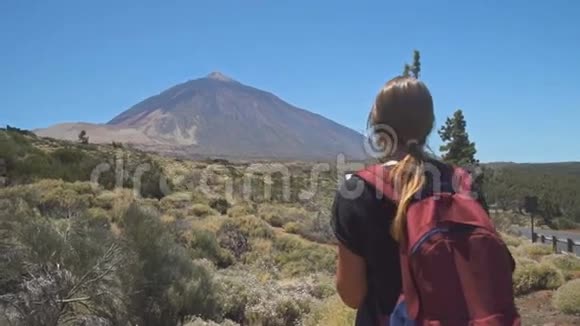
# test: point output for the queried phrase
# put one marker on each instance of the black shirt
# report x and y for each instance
(362, 224)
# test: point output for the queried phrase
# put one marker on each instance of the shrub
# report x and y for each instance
(331, 312)
(274, 220)
(535, 250)
(241, 210)
(177, 200)
(502, 221)
(175, 214)
(567, 298)
(56, 257)
(296, 257)
(204, 244)
(318, 230)
(105, 200)
(278, 215)
(250, 226)
(231, 237)
(292, 227)
(247, 300)
(565, 224)
(122, 199)
(512, 240)
(202, 210)
(54, 198)
(98, 215)
(319, 286)
(568, 264)
(533, 276)
(220, 204)
(168, 285)
(280, 310)
(261, 259)
(196, 321)
(63, 203)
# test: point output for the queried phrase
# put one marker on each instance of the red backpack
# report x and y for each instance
(455, 268)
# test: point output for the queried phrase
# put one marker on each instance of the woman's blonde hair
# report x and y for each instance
(405, 106)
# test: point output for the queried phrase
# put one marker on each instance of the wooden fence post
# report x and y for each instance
(570, 246)
(542, 239)
(555, 244)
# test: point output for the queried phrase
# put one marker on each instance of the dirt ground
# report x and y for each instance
(536, 309)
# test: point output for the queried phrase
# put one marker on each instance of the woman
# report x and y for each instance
(368, 272)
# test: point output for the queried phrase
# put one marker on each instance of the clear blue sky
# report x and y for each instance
(512, 66)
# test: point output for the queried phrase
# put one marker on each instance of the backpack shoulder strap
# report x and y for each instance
(379, 177)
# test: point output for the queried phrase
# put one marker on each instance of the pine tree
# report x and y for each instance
(407, 70)
(415, 69)
(457, 148)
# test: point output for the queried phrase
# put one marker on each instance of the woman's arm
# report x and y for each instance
(351, 282)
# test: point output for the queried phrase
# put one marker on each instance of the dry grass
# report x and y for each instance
(568, 264)
(533, 250)
(210, 223)
(331, 312)
(241, 210)
(567, 298)
(292, 227)
(531, 276)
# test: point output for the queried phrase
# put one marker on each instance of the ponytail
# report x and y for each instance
(408, 178)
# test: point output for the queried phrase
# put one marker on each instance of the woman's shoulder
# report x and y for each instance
(355, 190)
(357, 209)
(358, 199)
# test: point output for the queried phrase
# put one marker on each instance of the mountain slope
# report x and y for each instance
(217, 116)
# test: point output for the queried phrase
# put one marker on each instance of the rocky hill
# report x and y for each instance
(218, 116)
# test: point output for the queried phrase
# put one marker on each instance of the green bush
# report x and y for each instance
(317, 285)
(105, 200)
(296, 257)
(249, 301)
(502, 221)
(568, 264)
(177, 200)
(292, 227)
(241, 210)
(278, 215)
(220, 204)
(318, 229)
(196, 321)
(71, 162)
(565, 224)
(56, 256)
(54, 198)
(250, 226)
(533, 276)
(202, 210)
(511, 240)
(331, 312)
(204, 244)
(535, 250)
(274, 220)
(168, 286)
(232, 238)
(98, 215)
(567, 298)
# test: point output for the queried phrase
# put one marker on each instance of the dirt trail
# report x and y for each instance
(536, 310)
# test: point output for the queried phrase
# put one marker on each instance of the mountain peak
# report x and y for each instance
(190, 119)
(216, 75)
